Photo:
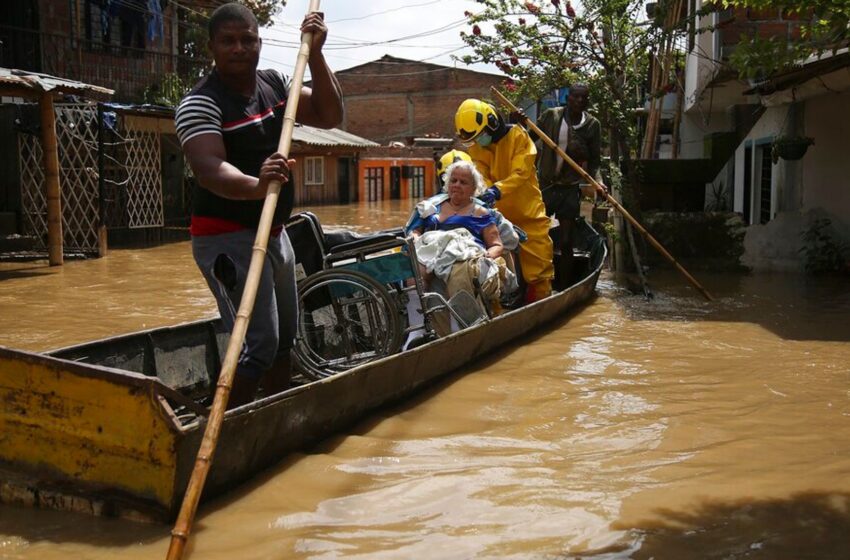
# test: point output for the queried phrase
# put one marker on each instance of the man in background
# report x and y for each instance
(578, 133)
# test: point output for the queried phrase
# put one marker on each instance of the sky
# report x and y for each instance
(360, 31)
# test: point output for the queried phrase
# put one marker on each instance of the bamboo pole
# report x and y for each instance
(648, 145)
(663, 67)
(52, 189)
(677, 116)
(183, 525)
(611, 200)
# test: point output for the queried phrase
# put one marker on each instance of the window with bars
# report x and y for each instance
(759, 191)
(115, 24)
(374, 183)
(314, 171)
(417, 182)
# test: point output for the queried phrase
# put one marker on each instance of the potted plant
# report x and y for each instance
(790, 147)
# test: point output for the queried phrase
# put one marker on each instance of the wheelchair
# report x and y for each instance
(354, 293)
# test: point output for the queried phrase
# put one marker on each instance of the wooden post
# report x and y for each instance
(78, 7)
(677, 116)
(52, 191)
(102, 233)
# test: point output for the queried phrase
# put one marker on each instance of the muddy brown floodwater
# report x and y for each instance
(669, 429)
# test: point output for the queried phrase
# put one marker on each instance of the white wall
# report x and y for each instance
(774, 245)
(816, 186)
(767, 127)
(700, 67)
(826, 165)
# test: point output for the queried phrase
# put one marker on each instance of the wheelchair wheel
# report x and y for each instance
(345, 319)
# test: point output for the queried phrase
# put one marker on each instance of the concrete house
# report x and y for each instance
(731, 126)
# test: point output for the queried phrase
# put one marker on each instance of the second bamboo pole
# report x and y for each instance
(613, 202)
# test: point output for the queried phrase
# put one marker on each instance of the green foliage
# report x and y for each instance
(194, 33)
(611, 232)
(719, 200)
(168, 91)
(265, 10)
(544, 45)
(822, 252)
(824, 27)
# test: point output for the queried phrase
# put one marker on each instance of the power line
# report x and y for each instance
(387, 11)
(342, 42)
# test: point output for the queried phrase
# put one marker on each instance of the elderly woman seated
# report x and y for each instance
(458, 240)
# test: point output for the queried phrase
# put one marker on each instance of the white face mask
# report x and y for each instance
(484, 139)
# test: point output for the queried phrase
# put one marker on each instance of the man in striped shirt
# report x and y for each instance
(229, 126)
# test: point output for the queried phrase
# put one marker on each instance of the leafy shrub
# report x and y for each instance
(822, 252)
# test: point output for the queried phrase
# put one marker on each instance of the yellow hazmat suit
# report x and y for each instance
(509, 165)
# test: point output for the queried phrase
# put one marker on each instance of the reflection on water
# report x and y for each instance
(50, 307)
(673, 428)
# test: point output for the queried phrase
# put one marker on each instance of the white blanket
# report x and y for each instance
(438, 251)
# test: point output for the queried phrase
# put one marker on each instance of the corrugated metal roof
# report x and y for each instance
(328, 137)
(21, 79)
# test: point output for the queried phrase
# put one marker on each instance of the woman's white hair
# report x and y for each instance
(477, 178)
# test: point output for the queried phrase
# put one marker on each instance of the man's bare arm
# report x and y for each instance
(321, 105)
(207, 157)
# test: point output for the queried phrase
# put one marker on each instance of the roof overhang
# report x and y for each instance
(333, 137)
(21, 83)
(829, 72)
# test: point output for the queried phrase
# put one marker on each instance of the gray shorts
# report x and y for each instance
(224, 260)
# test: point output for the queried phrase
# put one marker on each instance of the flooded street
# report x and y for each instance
(667, 429)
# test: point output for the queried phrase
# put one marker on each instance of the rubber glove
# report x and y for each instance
(490, 196)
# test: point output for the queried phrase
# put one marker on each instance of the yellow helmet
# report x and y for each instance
(474, 117)
(449, 158)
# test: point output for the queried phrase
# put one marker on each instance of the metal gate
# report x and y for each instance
(121, 188)
(76, 136)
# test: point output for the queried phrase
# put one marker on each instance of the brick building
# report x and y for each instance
(408, 108)
(129, 46)
(392, 99)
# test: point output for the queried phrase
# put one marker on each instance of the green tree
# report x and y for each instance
(265, 10)
(543, 46)
(192, 41)
(824, 27)
(193, 22)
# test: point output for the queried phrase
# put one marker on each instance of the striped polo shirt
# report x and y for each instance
(250, 129)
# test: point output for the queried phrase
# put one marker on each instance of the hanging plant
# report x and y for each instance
(790, 147)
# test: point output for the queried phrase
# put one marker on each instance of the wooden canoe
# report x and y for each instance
(111, 428)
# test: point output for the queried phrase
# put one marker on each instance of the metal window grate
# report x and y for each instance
(132, 177)
(76, 136)
(144, 190)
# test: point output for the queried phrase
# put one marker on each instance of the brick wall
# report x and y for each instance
(55, 16)
(765, 23)
(127, 70)
(393, 99)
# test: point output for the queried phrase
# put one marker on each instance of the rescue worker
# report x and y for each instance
(446, 160)
(505, 154)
